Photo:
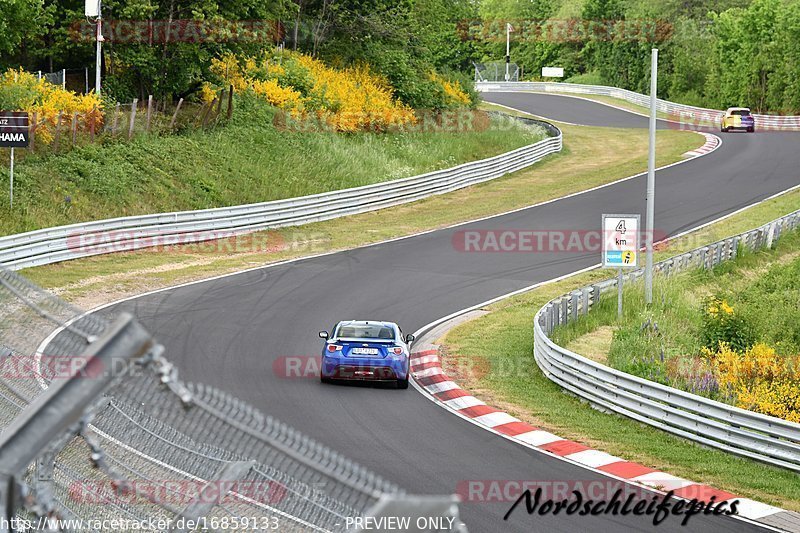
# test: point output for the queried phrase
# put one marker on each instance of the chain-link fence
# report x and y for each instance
(145, 448)
(496, 71)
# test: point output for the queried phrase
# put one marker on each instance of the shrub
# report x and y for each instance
(759, 379)
(346, 100)
(723, 325)
(20, 90)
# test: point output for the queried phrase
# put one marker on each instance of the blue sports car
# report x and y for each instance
(365, 350)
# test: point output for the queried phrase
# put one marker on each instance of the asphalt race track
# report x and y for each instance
(228, 332)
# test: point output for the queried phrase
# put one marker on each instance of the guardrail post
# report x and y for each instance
(770, 234)
(586, 292)
(574, 303)
(564, 311)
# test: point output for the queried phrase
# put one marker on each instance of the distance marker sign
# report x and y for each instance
(14, 129)
(621, 241)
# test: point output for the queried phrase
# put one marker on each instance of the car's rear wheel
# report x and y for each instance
(402, 383)
(750, 130)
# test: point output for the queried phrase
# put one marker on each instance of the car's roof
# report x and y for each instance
(738, 109)
(366, 322)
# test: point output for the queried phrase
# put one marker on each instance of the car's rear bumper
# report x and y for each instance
(743, 126)
(364, 370)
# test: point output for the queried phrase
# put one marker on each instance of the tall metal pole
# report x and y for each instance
(508, 50)
(11, 182)
(99, 59)
(651, 181)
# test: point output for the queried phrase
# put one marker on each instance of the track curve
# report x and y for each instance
(228, 332)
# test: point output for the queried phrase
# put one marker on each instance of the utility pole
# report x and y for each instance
(651, 181)
(99, 60)
(509, 29)
(93, 10)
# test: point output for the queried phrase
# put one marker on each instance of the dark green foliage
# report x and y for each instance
(712, 54)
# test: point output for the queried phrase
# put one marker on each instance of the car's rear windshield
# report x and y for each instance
(365, 331)
(742, 112)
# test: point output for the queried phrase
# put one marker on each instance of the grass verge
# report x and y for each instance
(749, 303)
(591, 156)
(504, 339)
(248, 160)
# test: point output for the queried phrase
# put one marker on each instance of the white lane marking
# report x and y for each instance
(423, 360)
(525, 439)
(463, 402)
(495, 419)
(664, 481)
(442, 386)
(538, 438)
(594, 458)
(755, 510)
(712, 143)
(578, 97)
(379, 243)
(432, 371)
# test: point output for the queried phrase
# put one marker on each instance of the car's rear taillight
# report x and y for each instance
(396, 350)
(334, 348)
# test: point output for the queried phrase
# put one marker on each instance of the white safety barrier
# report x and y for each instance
(692, 115)
(63, 243)
(708, 422)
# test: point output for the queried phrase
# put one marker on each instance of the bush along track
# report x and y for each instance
(426, 367)
(731, 334)
(502, 342)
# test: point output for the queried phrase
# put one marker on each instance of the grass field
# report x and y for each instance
(246, 161)
(759, 290)
(591, 156)
(504, 339)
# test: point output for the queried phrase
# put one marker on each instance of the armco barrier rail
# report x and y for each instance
(62, 243)
(700, 419)
(679, 112)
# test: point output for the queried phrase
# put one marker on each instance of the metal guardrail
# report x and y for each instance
(63, 243)
(95, 425)
(708, 422)
(678, 112)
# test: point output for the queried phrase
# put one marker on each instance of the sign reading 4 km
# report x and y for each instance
(621, 241)
(14, 129)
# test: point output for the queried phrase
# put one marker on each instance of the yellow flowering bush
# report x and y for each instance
(21, 90)
(207, 93)
(283, 97)
(722, 324)
(758, 379)
(452, 90)
(780, 399)
(346, 100)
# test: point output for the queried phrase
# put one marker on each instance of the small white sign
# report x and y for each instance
(621, 241)
(92, 8)
(552, 72)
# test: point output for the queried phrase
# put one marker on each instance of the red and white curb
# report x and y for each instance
(712, 143)
(426, 369)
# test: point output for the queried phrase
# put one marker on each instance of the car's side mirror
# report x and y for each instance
(410, 337)
(323, 335)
